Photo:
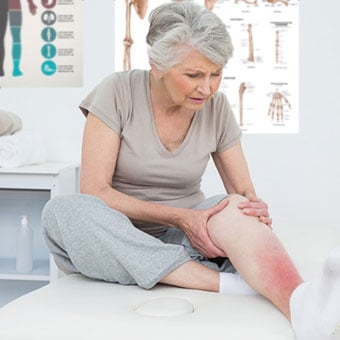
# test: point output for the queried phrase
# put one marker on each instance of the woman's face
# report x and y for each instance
(192, 82)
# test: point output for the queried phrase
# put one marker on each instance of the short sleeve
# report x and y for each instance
(109, 101)
(228, 130)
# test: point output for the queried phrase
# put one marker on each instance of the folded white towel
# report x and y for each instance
(22, 148)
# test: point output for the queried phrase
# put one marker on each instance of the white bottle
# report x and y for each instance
(24, 263)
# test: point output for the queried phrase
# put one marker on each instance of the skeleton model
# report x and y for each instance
(276, 107)
(285, 2)
(249, 2)
(241, 91)
(250, 43)
(141, 7)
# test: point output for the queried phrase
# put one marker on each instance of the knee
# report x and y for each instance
(235, 199)
(57, 204)
(52, 209)
(59, 209)
(231, 216)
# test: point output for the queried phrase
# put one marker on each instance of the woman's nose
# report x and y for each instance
(204, 87)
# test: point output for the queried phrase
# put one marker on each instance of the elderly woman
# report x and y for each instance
(141, 217)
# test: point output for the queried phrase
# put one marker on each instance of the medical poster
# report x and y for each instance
(41, 43)
(261, 80)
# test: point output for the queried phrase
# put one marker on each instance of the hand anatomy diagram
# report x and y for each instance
(276, 106)
(275, 111)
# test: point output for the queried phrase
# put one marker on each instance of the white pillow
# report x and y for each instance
(9, 123)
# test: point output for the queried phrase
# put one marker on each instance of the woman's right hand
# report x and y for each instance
(194, 225)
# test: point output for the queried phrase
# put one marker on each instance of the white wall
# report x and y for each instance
(298, 175)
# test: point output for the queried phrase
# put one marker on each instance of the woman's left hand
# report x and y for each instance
(256, 207)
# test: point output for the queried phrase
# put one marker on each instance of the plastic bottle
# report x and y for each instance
(24, 261)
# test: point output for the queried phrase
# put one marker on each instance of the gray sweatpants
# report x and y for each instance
(88, 237)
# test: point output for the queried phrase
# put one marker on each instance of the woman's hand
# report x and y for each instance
(194, 225)
(256, 207)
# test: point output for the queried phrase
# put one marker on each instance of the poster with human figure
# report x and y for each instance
(260, 80)
(41, 43)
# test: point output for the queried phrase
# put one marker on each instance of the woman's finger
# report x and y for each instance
(256, 205)
(256, 212)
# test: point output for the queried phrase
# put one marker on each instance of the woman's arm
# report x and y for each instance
(99, 156)
(233, 169)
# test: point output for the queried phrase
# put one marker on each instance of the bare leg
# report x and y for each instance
(256, 253)
(254, 250)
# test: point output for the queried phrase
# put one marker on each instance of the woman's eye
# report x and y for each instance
(193, 75)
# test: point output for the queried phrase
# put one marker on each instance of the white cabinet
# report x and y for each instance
(24, 191)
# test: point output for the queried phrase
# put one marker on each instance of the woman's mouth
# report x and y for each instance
(197, 100)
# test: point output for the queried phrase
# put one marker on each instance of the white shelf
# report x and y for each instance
(40, 271)
(45, 176)
(53, 178)
(48, 168)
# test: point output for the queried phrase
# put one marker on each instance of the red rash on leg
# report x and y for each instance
(256, 253)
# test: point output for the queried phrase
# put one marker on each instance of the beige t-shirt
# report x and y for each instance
(145, 168)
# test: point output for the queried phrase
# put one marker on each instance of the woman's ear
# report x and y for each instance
(155, 72)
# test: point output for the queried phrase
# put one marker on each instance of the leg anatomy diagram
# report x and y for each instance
(141, 7)
(275, 111)
(250, 43)
(277, 46)
(10, 10)
(241, 91)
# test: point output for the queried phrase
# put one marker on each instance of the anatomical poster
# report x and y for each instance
(41, 43)
(261, 79)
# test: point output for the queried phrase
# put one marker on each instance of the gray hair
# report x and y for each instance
(177, 26)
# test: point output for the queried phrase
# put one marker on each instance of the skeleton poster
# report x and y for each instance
(41, 43)
(260, 81)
